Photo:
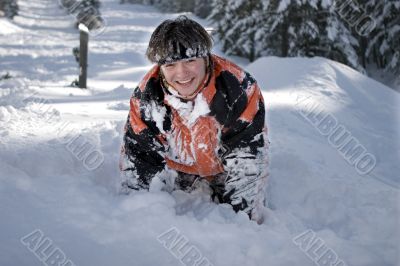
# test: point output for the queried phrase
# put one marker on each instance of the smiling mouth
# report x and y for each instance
(184, 82)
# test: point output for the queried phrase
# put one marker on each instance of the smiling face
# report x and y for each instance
(185, 76)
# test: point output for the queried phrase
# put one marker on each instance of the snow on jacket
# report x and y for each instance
(221, 131)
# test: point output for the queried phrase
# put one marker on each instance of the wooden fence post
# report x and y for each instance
(83, 55)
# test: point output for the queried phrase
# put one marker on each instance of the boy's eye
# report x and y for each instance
(169, 65)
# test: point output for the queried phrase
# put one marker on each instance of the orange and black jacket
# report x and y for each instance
(158, 136)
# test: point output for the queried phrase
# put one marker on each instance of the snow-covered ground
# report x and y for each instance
(59, 150)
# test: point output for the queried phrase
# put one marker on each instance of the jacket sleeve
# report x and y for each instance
(245, 143)
(141, 152)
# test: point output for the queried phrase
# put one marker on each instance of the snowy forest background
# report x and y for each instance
(363, 34)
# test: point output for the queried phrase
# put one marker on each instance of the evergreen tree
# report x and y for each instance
(221, 21)
(202, 8)
(237, 25)
(383, 46)
(174, 5)
(284, 28)
(338, 37)
(300, 34)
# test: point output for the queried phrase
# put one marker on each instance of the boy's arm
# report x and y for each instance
(246, 158)
(141, 151)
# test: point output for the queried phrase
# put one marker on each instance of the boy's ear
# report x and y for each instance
(207, 63)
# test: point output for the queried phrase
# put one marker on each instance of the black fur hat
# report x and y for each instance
(178, 39)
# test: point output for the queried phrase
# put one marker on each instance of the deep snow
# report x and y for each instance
(51, 188)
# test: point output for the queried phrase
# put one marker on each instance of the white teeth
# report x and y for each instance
(184, 81)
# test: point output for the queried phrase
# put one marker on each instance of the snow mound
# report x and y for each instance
(318, 91)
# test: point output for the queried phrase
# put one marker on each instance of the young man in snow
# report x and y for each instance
(196, 120)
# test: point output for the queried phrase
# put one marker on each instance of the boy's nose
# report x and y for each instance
(181, 68)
